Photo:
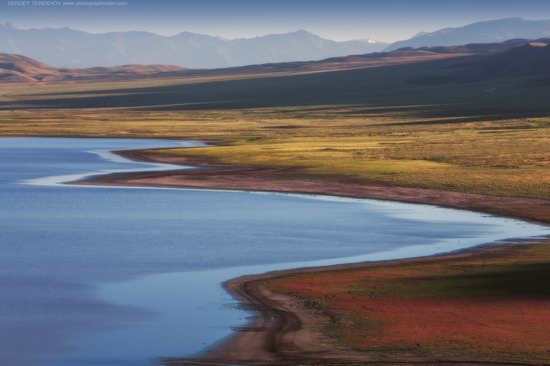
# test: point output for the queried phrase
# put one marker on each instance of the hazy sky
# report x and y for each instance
(386, 20)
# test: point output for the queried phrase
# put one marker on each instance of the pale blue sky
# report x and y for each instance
(386, 20)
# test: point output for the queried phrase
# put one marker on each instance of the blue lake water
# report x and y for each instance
(122, 276)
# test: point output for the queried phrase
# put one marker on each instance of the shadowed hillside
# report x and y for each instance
(530, 60)
(445, 79)
(525, 65)
(20, 69)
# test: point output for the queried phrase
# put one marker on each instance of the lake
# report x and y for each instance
(123, 276)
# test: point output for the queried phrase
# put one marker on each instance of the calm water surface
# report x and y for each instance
(124, 276)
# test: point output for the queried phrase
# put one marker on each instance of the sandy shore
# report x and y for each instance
(285, 331)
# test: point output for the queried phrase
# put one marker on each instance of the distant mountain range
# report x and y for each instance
(15, 69)
(68, 48)
(482, 61)
(65, 47)
(480, 32)
(499, 76)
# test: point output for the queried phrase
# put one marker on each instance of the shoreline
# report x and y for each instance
(209, 174)
(282, 331)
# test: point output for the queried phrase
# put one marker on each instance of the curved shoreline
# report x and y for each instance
(284, 329)
(213, 175)
(283, 332)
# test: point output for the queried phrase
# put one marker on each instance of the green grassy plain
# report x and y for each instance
(508, 157)
(373, 124)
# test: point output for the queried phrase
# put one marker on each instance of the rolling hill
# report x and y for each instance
(16, 69)
(22, 69)
(428, 80)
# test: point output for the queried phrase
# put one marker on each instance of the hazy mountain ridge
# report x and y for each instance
(17, 69)
(480, 32)
(65, 47)
(21, 69)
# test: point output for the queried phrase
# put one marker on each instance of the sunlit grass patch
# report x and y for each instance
(509, 157)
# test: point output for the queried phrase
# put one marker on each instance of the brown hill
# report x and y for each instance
(21, 69)
(17, 68)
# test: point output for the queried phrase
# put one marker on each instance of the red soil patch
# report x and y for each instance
(406, 307)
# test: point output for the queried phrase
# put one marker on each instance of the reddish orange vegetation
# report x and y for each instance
(492, 306)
